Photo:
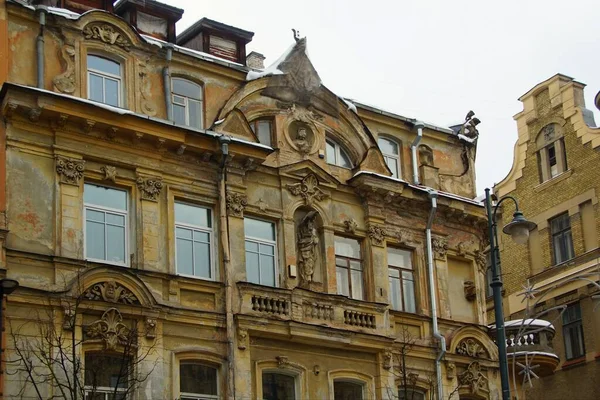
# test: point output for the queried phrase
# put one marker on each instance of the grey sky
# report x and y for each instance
(431, 59)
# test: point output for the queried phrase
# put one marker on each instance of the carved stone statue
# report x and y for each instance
(308, 245)
(302, 140)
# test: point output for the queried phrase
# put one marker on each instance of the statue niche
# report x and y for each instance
(302, 137)
(309, 247)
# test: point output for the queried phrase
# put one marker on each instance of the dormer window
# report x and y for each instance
(391, 154)
(104, 80)
(187, 103)
(263, 129)
(336, 155)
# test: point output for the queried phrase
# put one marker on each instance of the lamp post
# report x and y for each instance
(7, 286)
(518, 229)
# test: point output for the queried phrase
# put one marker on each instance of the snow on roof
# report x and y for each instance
(528, 322)
(350, 104)
(272, 69)
(465, 138)
(532, 353)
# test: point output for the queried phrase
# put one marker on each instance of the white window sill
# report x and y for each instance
(98, 261)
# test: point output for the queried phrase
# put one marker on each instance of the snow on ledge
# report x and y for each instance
(272, 69)
(351, 105)
(532, 353)
(466, 139)
(540, 323)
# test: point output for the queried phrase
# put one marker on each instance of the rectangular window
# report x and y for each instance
(186, 98)
(106, 219)
(402, 280)
(197, 381)
(261, 244)
(562, 241)
(277, 386)
(343, 390)
(573, 332)
(349, 271)
(104, 80)
(263, 129)
(104, 374)
(194, 236)
(552, 161)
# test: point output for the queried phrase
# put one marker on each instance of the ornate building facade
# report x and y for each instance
(187, 224)
(555, 179)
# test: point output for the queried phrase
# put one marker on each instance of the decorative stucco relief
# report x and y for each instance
(107, 34)
(112, 292)
(377, 234)
(308, 189)
(308, 246)
(70, 170)
(476, 382)
(350, 225)
(236, 203)
(472, 348)
(150, 188)
(65, 81)
(440, 248)
(110, 173)
(150, 326)
(147, 105)
(110, 329)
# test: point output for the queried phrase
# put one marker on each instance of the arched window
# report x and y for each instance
(391, 154)
(277, 386)
(344, 389)
(552, 157)
(104, 80)
(186, 97)
(406, 393)
(197, 381)
(336, 155)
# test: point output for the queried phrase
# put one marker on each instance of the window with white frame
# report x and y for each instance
(336, 155)
(194, 237)
(348, 267)
(197, 381)
(261, 246)
(106, 220)
(402, 280)
(277, 386)
(391, 155)
(106, 375)
(186, 97)
(104, 80)
(263, 129)
(347, 389)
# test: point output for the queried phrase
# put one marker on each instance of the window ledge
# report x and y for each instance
(550, 182)
(574, 362)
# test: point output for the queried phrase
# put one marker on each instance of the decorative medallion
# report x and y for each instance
(472, 348)
(405, 236)
(350, 225)
(282, 361)
(150, 188)
(107, 34)
(377, 234)
(112, 292)
(301, 136)
(308, 189)
(70, 170)
(440, 248)
(111, 329)
(65, 82)
(236, 203)
(110, 173)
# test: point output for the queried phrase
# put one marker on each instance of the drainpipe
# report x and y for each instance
(167, 82)
(40, 46)
(432, 295)
(413, 149)
(224, 239)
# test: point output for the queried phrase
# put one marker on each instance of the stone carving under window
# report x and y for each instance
(308, 189)
(472, 348)
(377, 234)
(440, 248)
(106, 34)
(150, 188)
(112, 292)
(308, 246)
(70, 170)
(236, 203)
(111, 330)
(476, 382)
(65, 82)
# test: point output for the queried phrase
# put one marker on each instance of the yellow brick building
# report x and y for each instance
(186, 224)
(555, 179)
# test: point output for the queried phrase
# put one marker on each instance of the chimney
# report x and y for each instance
(255, 60)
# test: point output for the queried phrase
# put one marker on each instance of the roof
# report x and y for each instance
(150, 5)
(545, 83)
(209, 24)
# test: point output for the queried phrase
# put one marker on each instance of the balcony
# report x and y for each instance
(308, 307)
(529, 341)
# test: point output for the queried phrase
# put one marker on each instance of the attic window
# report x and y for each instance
(336, 155)
(263, 129)
(223, 48)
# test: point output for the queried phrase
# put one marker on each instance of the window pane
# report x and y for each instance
(179, 114)
(347, 247)
(405, 393)
(278, 386)
(357, 285)
(105, 197)
(93, 215)
(267, 249)
(111, 92)
(259, 229)
(399, 258)
(267, 270)
(197, 379)
(344, 160)
(330, 156)
(96, 89)
(202, 260)
(115, 219)
(409, 295)
(252, 267)
(343, 286)
(395, 299)
(184, 257)
(94, 240)
(183, 233)
(387, 146)
(252, 246)
(264, 132)
(179, 100)
(103, 64)
(115, 236)
(106, 370)
(195, 117)
(392, 164)
(192, 215)
(200, 236)
(187, 89)
(347, 390)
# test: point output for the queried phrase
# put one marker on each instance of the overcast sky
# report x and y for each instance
(431, 59)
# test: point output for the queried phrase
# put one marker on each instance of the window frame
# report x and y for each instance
(339, 151)
(187, 100)
(105, 390)
(349, 269)
(566, 245)
(551, 137)
(292, 374)
(577, 324)
(415, 390)
(395, 157)
(104, 75)
(254, 127)
(354, 381)
(260, 241)
(210, 231)
(198, 396)
(401, 279)
(104, 209)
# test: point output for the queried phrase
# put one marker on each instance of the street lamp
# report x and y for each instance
(518, 229)
(7, 286)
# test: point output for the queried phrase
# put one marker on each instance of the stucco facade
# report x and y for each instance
(58, 147)
(560, 264)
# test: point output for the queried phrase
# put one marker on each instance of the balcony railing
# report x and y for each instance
(306, 306)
